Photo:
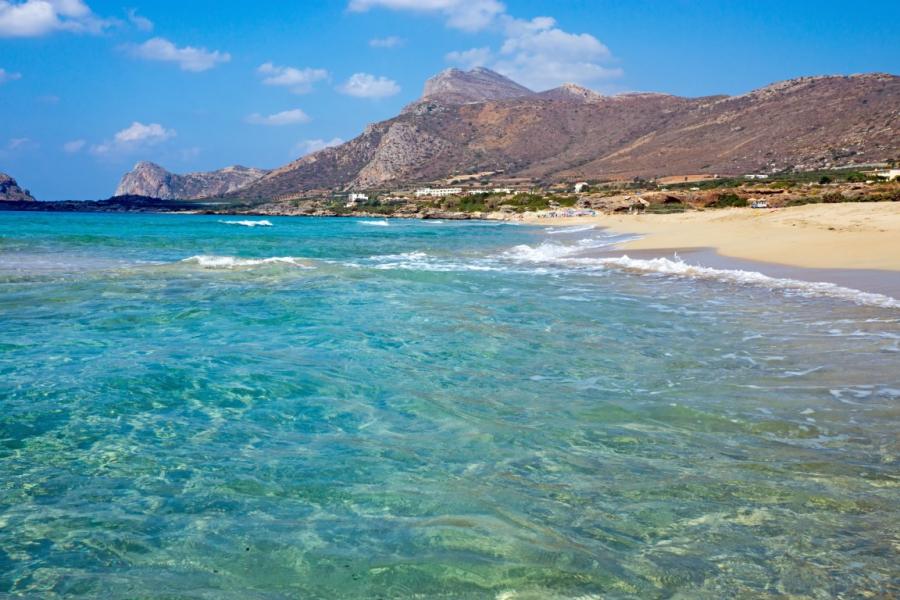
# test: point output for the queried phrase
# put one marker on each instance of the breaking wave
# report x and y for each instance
(568, 255)
(550, 251)
(263, 223)
(232, 262)
(679, 268)
(381, 223)
(420, 261)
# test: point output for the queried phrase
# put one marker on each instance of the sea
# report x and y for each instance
(220, 407)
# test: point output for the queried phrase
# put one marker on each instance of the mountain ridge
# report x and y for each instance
(151, 180)
(573, 133)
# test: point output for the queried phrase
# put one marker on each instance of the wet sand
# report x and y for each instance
(867, 280)
(850, 236)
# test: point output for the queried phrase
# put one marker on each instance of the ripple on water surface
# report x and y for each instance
(424, 411)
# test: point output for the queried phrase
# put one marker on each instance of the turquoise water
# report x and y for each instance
(330, 408)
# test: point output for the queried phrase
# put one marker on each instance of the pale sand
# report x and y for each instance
(830, 236)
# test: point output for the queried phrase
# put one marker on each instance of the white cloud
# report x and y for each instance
(541, 36)
(142, 23)
(469, 59)
(391, 41)
(364, 85)
(34, 18)
(287, 117)
(135, 137)
(138, 132)
(188, 58)
(20, 143)
(309, 146)
(74, 146)
(300, 81)
(468, 15)
(540, 55)
(8, 76)
(536, 53)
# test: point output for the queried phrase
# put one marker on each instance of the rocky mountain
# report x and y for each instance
(151, 180)
(11, 192)
(571, 92)
(454, 86)
(479, 121)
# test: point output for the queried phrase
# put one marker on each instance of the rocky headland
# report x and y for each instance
(11, 192)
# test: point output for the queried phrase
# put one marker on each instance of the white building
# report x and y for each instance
(756, 176)
(580, 186)
(889, 174)
(476, 191)
(355, 198)
(438, 192)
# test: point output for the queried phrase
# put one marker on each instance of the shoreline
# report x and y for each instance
(873, 281)
(845, 237)
(854, 245)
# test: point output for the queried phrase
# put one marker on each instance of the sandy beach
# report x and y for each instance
(816, 236)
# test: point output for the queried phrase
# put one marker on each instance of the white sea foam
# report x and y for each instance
(263, 223)
(572, 229)
(420, 261)
(680, 268)
(403, 256)
(567, 254)
(381, 223)
(208, 261)
(552, 251)
(545, 252)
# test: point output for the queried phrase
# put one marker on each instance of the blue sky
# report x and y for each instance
(88, 87)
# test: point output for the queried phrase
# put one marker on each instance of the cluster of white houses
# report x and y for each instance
(438, 192)
(456, 191)
(580, 187)
(356, 198)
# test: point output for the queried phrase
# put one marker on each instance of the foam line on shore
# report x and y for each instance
(572, 229)
(679, 268)
(549, 251)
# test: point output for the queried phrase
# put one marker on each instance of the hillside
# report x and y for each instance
(151, 180)
(572, 133)
(11, 192)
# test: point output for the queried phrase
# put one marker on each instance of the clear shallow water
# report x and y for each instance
(342, 408)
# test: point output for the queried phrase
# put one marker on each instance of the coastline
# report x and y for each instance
(854, 245)
(872, 281)
(828, 237)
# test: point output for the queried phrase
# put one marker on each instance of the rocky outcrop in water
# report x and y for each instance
(11, 192)
(151, 180)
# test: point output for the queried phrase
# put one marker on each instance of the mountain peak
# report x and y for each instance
(146, 164)
(480, 84)
(571, 92)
